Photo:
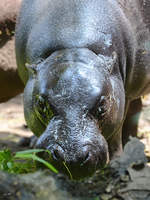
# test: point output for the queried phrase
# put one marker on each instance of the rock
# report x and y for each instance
(9, 78)
(133, 154)
(35, 186)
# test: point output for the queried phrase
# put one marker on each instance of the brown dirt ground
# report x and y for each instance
(12, 123)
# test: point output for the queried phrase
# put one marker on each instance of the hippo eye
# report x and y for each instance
(100, 109)
(43, 110)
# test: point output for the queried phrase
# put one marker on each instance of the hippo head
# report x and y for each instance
(71, 103)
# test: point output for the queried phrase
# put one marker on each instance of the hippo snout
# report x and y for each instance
(84, 155)
(80, 149)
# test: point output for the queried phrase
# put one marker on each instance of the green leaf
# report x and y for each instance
(10, 165)
(97, 198)
(36, 158)
(15, 163)
(30, 151)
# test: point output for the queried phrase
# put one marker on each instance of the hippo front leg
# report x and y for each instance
(115, 144)
(129, 127)
(130, 124)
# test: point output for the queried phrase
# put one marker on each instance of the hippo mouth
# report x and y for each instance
(81, 167)
(76, 168)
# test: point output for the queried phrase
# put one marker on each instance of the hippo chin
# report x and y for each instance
(83, 63)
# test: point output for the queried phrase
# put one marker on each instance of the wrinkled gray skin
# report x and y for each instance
(87, 60)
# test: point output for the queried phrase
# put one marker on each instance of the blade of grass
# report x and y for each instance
(30, 151)
(68, 170)
(36, 158)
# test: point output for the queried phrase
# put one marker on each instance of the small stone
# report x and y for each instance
(106, 196)
(109, 188)
(124, 178)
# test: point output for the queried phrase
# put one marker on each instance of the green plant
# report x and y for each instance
(23, 161)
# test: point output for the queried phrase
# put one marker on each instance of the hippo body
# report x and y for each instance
(84, 63)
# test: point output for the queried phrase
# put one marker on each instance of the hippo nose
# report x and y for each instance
(80, 156)
(81, 162)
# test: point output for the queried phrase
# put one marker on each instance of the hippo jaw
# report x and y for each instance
(76, 84)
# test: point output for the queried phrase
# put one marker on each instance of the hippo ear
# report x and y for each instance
(32, 69)
(110, 61)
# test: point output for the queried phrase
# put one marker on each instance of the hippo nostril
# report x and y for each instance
(58, 153)
(87, 157)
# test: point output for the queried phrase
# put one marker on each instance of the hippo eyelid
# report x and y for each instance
(99, 110)
(99, 103)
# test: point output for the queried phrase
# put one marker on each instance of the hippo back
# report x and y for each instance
(47, 26)
(137, 74)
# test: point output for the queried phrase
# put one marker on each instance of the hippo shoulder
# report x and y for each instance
(137, 82)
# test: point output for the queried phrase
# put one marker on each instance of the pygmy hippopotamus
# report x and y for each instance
(85, 64)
